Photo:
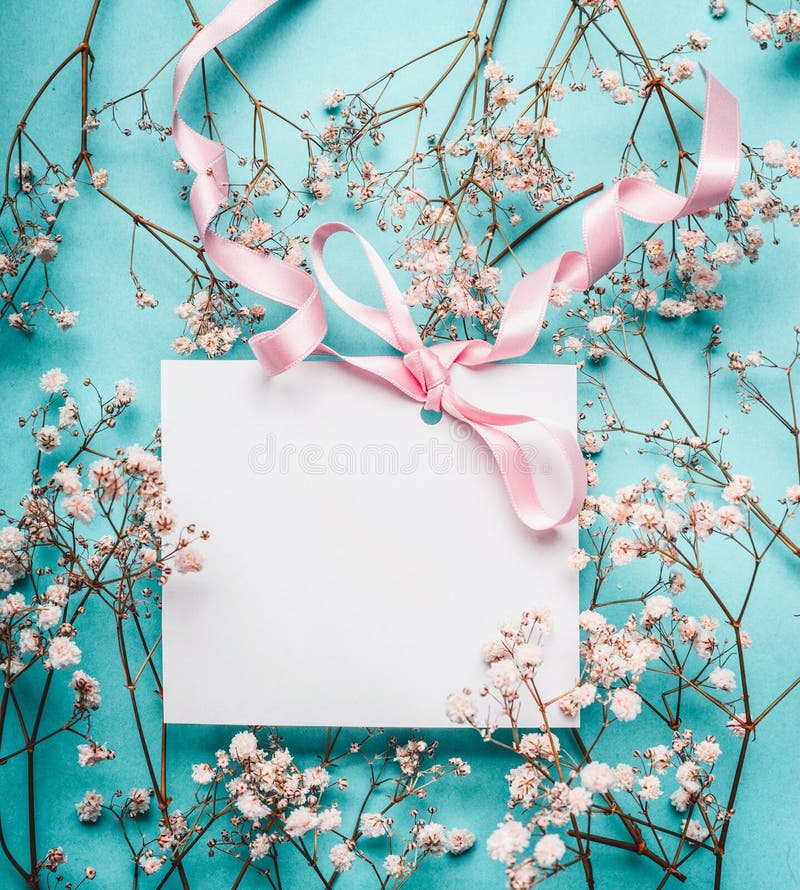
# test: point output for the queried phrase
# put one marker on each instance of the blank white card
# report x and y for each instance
(359, 558)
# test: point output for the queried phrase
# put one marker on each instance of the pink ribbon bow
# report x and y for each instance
(423, 372)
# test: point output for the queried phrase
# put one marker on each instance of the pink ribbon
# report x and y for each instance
(423, 372)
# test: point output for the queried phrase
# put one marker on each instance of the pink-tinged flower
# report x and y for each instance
(460, 708)
(560, 295)
(250, 806)
(708, 751)
(650, 788)
(656, 607)
(138, 801)
(774, 153)
(300, 821)
(342, 857)
(761, 31)
(681, 69)
(244, 746)
(609, 80)
(600, 324)
(91, 754)
(150, 864)
(62, 653)
(508, 838)
(48, 438)
(687, 775)
(624, 551)
(494, 70)
(57, 594)
(737, 725)
(53, 381)
(42, 247)
(459, 840)
(202, 773)
(87, 691)
(626, 705)
(549, 850)
(723, 678)
(430, 838)
(623, 95)
(64, 318)
(330, 819)
(63, 191)
(597, 777)
(90, 808)
(729, 519)
(698, 40)
(503, 675)
(80, 506)
(100, 178)
(188, 560)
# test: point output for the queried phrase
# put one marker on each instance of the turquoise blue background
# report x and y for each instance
(289, 57)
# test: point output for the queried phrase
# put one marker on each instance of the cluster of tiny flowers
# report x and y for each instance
(37, 199)
(551, 788)
(277, 804)
(512, 660)
(665, 516)
(501, 163)
(68, 540)
(776, 29)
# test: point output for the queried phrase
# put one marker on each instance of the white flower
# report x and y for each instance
(774, 153)
(90, 808)
(655, 608)
(243, 746)
(579, 559)
(202, 773)
(626, 705)
(373, 825)
(48, 438)
(259, 847)
(601, 324)
(687, 776)
(431, 838)
(62, 653)
(723, 678)
(460, 708)
(458, 841)
(300, 821)
(696, 833)
(494, 70)
(42, 247)
(508, 838)
(53, 380)
(63, 191)
(394, 866)
(342, 857)
(138, 801)
(598, 777)
(250, 806)
(650, 788)
(124, 392)
(549, 850)
(708, 751)
(330, 819)
(503, 674)
(48, 616)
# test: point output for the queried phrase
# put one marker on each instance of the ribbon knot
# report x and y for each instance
(423, 373)
(430, 373)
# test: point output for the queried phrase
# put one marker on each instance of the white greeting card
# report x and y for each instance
(359, 558)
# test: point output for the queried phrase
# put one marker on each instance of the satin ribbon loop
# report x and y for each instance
(430, 373)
